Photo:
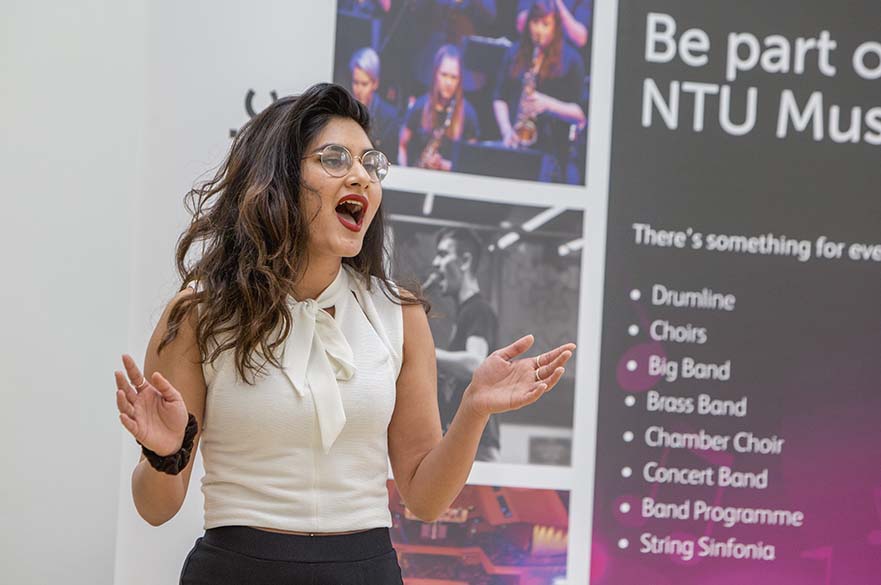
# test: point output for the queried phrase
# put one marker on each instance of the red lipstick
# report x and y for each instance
(352, 215)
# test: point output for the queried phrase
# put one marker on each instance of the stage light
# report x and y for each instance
(507, 240)
(542, 218)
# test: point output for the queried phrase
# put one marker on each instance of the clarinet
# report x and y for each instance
(525, 128)
(437, 136)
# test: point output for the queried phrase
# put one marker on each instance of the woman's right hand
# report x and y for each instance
(153, 411)
(509, 138)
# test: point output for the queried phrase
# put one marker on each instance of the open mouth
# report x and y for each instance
(351, 211)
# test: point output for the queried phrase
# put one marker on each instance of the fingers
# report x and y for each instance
(516, 348)
(559, 362)
(531, 396)
(547, 370)
(123, 405)
(122, 385)
(134, 373)
(157, 381)
(548, 357)
(164, 387)
(554, 378)
(546, 363)
(129, 424)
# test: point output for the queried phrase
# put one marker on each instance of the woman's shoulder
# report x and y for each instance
(378, 288)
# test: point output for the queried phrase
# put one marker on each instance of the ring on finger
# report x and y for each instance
(538, 375)
(537, 363)
(141, 385)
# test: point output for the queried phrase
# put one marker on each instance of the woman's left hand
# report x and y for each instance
(503, 383)
(538, 103)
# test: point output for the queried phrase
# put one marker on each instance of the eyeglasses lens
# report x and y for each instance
(337, 161)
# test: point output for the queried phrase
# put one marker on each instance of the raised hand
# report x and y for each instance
(503, 383)
(537, 103)
(153, 411)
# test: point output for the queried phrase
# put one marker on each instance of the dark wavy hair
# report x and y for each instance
(250, 229)
(552, 65)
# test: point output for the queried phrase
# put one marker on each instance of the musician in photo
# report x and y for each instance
(536, 101)
(439, 118)
(574, 16)
(475, 331)
(364, 67)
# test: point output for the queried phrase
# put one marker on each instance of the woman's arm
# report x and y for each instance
(575, 30)
(430, 469)
(403, 141)
(500, 109)
(570, 112)
(158, 496)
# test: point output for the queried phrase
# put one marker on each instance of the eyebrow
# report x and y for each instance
(326, 144)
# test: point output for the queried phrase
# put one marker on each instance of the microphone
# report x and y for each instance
(431, 281)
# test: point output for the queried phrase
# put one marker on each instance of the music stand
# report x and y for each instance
(482, 57)
(491, 159)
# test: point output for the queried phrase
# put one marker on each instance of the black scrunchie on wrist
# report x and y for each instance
(174, 463)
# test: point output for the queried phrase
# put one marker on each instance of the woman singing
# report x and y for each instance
(300, 368)
(438, 118)
(537, 93)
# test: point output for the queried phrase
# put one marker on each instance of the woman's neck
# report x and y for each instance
(318, 276)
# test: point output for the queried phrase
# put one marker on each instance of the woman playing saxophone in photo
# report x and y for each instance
(537, 92)
(438, 118)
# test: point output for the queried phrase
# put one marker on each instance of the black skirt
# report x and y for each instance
(239, 555)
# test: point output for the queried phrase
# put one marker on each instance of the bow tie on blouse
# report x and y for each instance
(317, 355)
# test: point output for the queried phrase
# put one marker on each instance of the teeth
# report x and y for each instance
(356, 204)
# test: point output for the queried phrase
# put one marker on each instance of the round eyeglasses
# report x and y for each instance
(337, 161)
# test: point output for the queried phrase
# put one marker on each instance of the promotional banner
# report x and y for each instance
(739, 422)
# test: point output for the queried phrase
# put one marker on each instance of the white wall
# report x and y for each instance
(70, 116)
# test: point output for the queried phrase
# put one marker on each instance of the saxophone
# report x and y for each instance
(437, 136)
(525, 128)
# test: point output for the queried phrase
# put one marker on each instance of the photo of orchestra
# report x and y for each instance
(497, 88)
(489, 535)
(505, 270)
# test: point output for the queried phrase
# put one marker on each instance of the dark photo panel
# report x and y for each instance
(494, 272)
(498, 88)
(738, 436)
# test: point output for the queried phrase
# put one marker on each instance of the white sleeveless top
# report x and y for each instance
(306, 447)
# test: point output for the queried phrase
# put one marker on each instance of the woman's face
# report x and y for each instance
(337, 229)
(542, 30)
(363, 86)
(447, 78)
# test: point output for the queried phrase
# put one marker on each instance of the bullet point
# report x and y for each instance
(623, 543)
(624, 507)
(633, 330)
(635, 294)
(629, 400)
(626, 472)
(628, 436)
(631, 366)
